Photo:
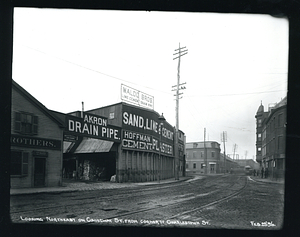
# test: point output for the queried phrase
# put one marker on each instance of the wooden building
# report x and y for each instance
(36, 142)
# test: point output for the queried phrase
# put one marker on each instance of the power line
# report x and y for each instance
(96, 71)
(261, 92)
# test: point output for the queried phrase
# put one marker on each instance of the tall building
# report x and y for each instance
(271, 137)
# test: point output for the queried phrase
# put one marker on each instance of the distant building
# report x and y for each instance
(248, 162)
(206, 158)
(271, 137)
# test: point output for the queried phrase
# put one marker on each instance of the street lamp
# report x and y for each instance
(161, 119)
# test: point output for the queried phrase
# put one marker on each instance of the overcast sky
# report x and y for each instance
(234, 61)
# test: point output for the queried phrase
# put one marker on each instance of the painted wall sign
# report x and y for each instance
(35, 142)
(139, 141)
(146, 122)
(136, 97)
(92, 126)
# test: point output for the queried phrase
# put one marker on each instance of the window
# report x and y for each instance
(259, 136)
(202, 165)
(259, 149)
(259, 123)
(26, 123)
(201, 153)
(280, 143)
(194, 165)
(212, 154)
(19, 163)
(280, 120)
(187, 165)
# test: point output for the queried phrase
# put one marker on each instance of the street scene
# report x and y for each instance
(229, 201)
(118, 120)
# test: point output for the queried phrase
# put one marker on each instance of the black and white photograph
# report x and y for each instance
(161, 119)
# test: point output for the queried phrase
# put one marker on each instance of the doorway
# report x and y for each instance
(39, 172)
(212, 168)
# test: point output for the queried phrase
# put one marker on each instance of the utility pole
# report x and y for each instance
(179, 53)
(234, 149)
(205, 154)
(246, 153)
(224, 139)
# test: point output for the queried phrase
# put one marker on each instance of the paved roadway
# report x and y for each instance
(229, 201)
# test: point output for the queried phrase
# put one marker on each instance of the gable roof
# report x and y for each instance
(36, 103)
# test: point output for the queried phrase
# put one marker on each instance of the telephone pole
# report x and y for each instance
(234, 149)
(224, 139)
(181, 51)
(205, 153)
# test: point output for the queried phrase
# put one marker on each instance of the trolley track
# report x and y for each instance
(224, 197)
(205, 186)
(124, 195)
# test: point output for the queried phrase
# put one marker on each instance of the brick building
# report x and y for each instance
(206, 158)
(36, 142)
(271, 137)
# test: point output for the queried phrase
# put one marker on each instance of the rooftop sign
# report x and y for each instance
(136, 97)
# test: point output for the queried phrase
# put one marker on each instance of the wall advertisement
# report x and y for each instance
(93, 126)
(142, 130)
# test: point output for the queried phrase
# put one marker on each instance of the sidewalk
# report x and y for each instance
(76, 185)
(266, 180)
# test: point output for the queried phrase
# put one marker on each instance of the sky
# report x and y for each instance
(234, 63)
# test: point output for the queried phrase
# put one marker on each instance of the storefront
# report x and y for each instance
(90, 147)
(36, 143)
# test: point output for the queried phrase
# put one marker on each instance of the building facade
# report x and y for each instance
(135, 144)
(36, 142)
(206, 158)
(270, 139)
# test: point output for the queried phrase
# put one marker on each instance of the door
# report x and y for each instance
(212, 168)
(39, 171)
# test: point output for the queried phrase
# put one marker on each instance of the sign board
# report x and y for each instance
(142, 130)
(35, 142)
(136, 97)
(93, 126)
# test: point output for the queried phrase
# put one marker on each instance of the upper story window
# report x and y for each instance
(259, 122)
(26, 123)
(259, 136)
(212, 154)
(280, 120)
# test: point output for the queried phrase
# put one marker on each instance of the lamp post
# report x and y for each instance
(161, 119)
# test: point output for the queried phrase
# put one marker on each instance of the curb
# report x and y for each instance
(66, 190)
(267, 181)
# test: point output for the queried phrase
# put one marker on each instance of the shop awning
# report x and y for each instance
(91, 145)
(67, 146)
